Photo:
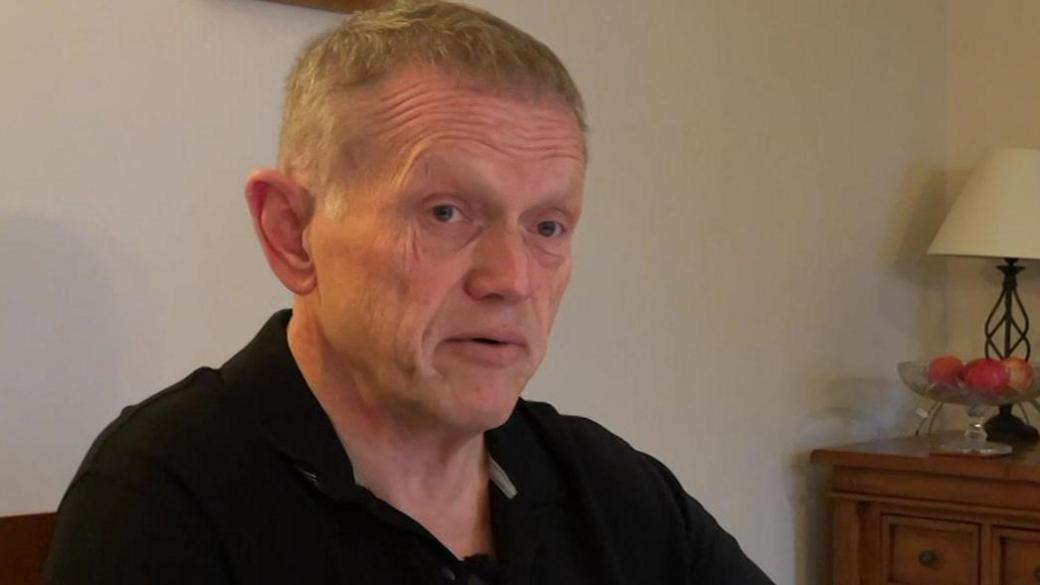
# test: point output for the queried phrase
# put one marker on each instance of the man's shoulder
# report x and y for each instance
(601, 455)
(638, 505)
(580, 432)
(196, 414)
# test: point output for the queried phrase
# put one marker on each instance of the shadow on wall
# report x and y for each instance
(854, 415)
(915, 223)
(58, 346)
(865, 409)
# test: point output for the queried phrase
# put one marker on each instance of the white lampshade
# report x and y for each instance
(998, 213)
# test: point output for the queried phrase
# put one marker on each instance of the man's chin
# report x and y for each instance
(495, 419)
(478, 401)
(479, 416)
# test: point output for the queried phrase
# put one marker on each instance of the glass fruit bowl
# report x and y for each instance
(978, 399)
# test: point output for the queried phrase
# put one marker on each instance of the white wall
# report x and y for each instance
(765, 178)
(994, 86)
(126, 130)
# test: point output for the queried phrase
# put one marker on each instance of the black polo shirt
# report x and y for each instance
(237, 476)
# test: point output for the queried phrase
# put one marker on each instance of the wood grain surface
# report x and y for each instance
(344, 6)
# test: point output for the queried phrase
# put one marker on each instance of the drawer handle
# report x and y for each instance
(1036, 574)
(928, 558)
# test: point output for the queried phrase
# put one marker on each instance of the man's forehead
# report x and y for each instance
(414, 81)
(420, 103)
(455, 165)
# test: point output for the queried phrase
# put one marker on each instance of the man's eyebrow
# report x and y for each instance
(566, 203)
(428, 164)
(427, 167)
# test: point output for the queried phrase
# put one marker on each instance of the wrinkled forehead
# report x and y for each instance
(422, 106)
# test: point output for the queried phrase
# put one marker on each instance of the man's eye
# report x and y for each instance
(550, 229)
(446, 213)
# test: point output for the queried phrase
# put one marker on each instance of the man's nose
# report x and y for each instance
(500, 269)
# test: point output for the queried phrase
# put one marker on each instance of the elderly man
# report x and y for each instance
(429, 186)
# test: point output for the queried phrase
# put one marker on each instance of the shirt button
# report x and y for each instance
(448, 573)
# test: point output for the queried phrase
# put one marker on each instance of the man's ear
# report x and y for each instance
(281, 210)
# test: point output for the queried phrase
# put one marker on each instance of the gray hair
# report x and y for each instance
(375, 43)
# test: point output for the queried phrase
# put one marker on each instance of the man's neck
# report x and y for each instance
(438, 478)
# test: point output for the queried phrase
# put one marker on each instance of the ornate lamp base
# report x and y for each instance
(1008, 427)
(1008, 320)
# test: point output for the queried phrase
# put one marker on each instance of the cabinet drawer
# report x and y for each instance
(920, 551)
(1016, 557)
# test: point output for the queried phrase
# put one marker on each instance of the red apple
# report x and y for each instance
(986, 375)
(1020, 373)
(945, 370)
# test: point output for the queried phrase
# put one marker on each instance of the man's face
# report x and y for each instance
(438, 285)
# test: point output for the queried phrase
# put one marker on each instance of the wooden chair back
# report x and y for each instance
(24, 542)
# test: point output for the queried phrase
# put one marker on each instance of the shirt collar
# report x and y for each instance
(288, 414)
(293, 421)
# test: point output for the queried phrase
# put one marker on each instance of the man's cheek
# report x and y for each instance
(429, 281)
(551, 290)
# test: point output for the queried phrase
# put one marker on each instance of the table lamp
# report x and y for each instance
(998, 216)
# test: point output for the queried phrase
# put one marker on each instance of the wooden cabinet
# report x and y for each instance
(904, 516)
(1016, 557)
(921, 551)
